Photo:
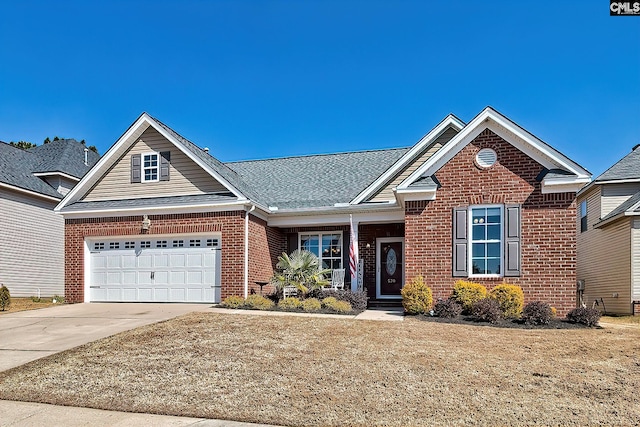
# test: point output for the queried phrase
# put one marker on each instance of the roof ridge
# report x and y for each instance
(318, 155)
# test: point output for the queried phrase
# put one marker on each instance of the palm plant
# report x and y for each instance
(301, 269)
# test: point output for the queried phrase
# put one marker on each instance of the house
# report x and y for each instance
(608, 225)
(32, 183)
(160, 219)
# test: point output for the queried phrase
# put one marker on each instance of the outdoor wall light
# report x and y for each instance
(146, 222)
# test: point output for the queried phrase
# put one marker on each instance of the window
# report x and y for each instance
(114, 245)
(486, 240)
(98, 246)
(150, 168)
(178, 243)
(145, 244)
(161, 244)
(212, 243)
(194, 243)
(583, 216)
(129, 245)
(327, 246)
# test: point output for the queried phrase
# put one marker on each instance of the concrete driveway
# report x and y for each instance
(30, 335)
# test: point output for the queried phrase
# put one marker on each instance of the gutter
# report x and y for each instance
(246, 250)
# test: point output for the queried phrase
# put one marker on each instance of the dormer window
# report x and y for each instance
(150, 167)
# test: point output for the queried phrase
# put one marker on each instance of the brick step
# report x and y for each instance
(376, 303)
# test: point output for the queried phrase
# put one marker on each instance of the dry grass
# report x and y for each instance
(23, 304)
(622, 320)
(321, 372)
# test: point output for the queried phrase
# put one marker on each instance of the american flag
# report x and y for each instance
(353, 253)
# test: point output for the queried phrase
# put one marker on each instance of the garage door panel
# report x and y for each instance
(157, 270)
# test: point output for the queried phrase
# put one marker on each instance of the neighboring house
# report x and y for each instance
(159, 219)
(32, 183)
(609, 237)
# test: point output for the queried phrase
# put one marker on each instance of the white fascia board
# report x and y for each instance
(197, 160)
(63, 175)
(510, 132)
(102, 166)
(439, 129)
(410, 194)
(154, 210)
(396, 215)
(618, 181)
(573, 186)
(29, 192)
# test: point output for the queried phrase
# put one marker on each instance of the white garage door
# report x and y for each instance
(158, 269)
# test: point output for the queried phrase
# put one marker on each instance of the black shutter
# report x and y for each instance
(165, 161)
(512, 233)
(135, 168)
(460, 247)
(293, 242)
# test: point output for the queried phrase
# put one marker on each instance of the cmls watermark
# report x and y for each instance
(624, 8)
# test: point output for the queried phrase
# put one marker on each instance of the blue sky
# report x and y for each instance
(258, 79)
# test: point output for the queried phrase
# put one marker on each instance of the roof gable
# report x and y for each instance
(218, 171)
(412, 155)
(576, 176)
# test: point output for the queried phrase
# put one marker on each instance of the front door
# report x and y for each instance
(389, 267)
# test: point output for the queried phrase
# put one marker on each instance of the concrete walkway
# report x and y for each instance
(25, 414)
(30, 335)
(387, 314)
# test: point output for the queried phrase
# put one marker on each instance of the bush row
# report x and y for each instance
(505, 301)
(258, 302)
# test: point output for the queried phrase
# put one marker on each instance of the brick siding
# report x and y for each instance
(229, 224)
(548, 241)
(265, 245)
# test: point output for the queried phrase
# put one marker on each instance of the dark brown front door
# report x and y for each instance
(391, 268)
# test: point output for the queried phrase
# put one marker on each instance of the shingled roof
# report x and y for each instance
(315, 181)
(17, 166)
(626, 168)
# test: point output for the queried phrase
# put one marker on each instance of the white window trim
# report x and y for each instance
(319, 234)
(157, 167)
(470, 241)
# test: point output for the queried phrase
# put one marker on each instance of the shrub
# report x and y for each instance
(326, 302)
(554, 312)
(586, 316)
(468, 293)
(486, 310)
(233, 301)
(510, 298)
(57, 299)
(5, 298)
(416, 296)
(258, 302)
(311, 304)
(301, 269)
(447, 308)
(336, 305)
(35, 299)
(537, 313)
(290, 303)
(357, 299)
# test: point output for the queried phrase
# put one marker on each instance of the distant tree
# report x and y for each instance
(55, 138)
(93, 148)
(23, 144)
(46, 140)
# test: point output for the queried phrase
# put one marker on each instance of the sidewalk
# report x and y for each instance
(24, 414)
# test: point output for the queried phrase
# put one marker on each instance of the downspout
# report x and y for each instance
(246, 250)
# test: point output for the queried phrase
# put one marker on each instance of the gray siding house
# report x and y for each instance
(32, 183)
(608, 239)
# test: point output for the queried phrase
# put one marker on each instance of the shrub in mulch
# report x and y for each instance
(510, 298)
(258, 302)
(537, 313)
(468, 293)
(417, 297)
(486, 310)
(584, 316)
(328, 305)
(290, 304)
(5, 298)
(357, 299)
(311, 305)
(447, 308)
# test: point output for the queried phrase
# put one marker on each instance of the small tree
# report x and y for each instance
(5, 298)
(300, 269)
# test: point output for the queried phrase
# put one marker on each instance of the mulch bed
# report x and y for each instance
(504, 323)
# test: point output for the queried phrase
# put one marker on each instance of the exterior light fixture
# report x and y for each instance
(146, 222)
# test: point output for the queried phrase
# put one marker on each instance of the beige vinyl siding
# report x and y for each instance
(613, 195)
(635, 260)
(31, 245)
(186, 177)
(604, 258)
(387, 192)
